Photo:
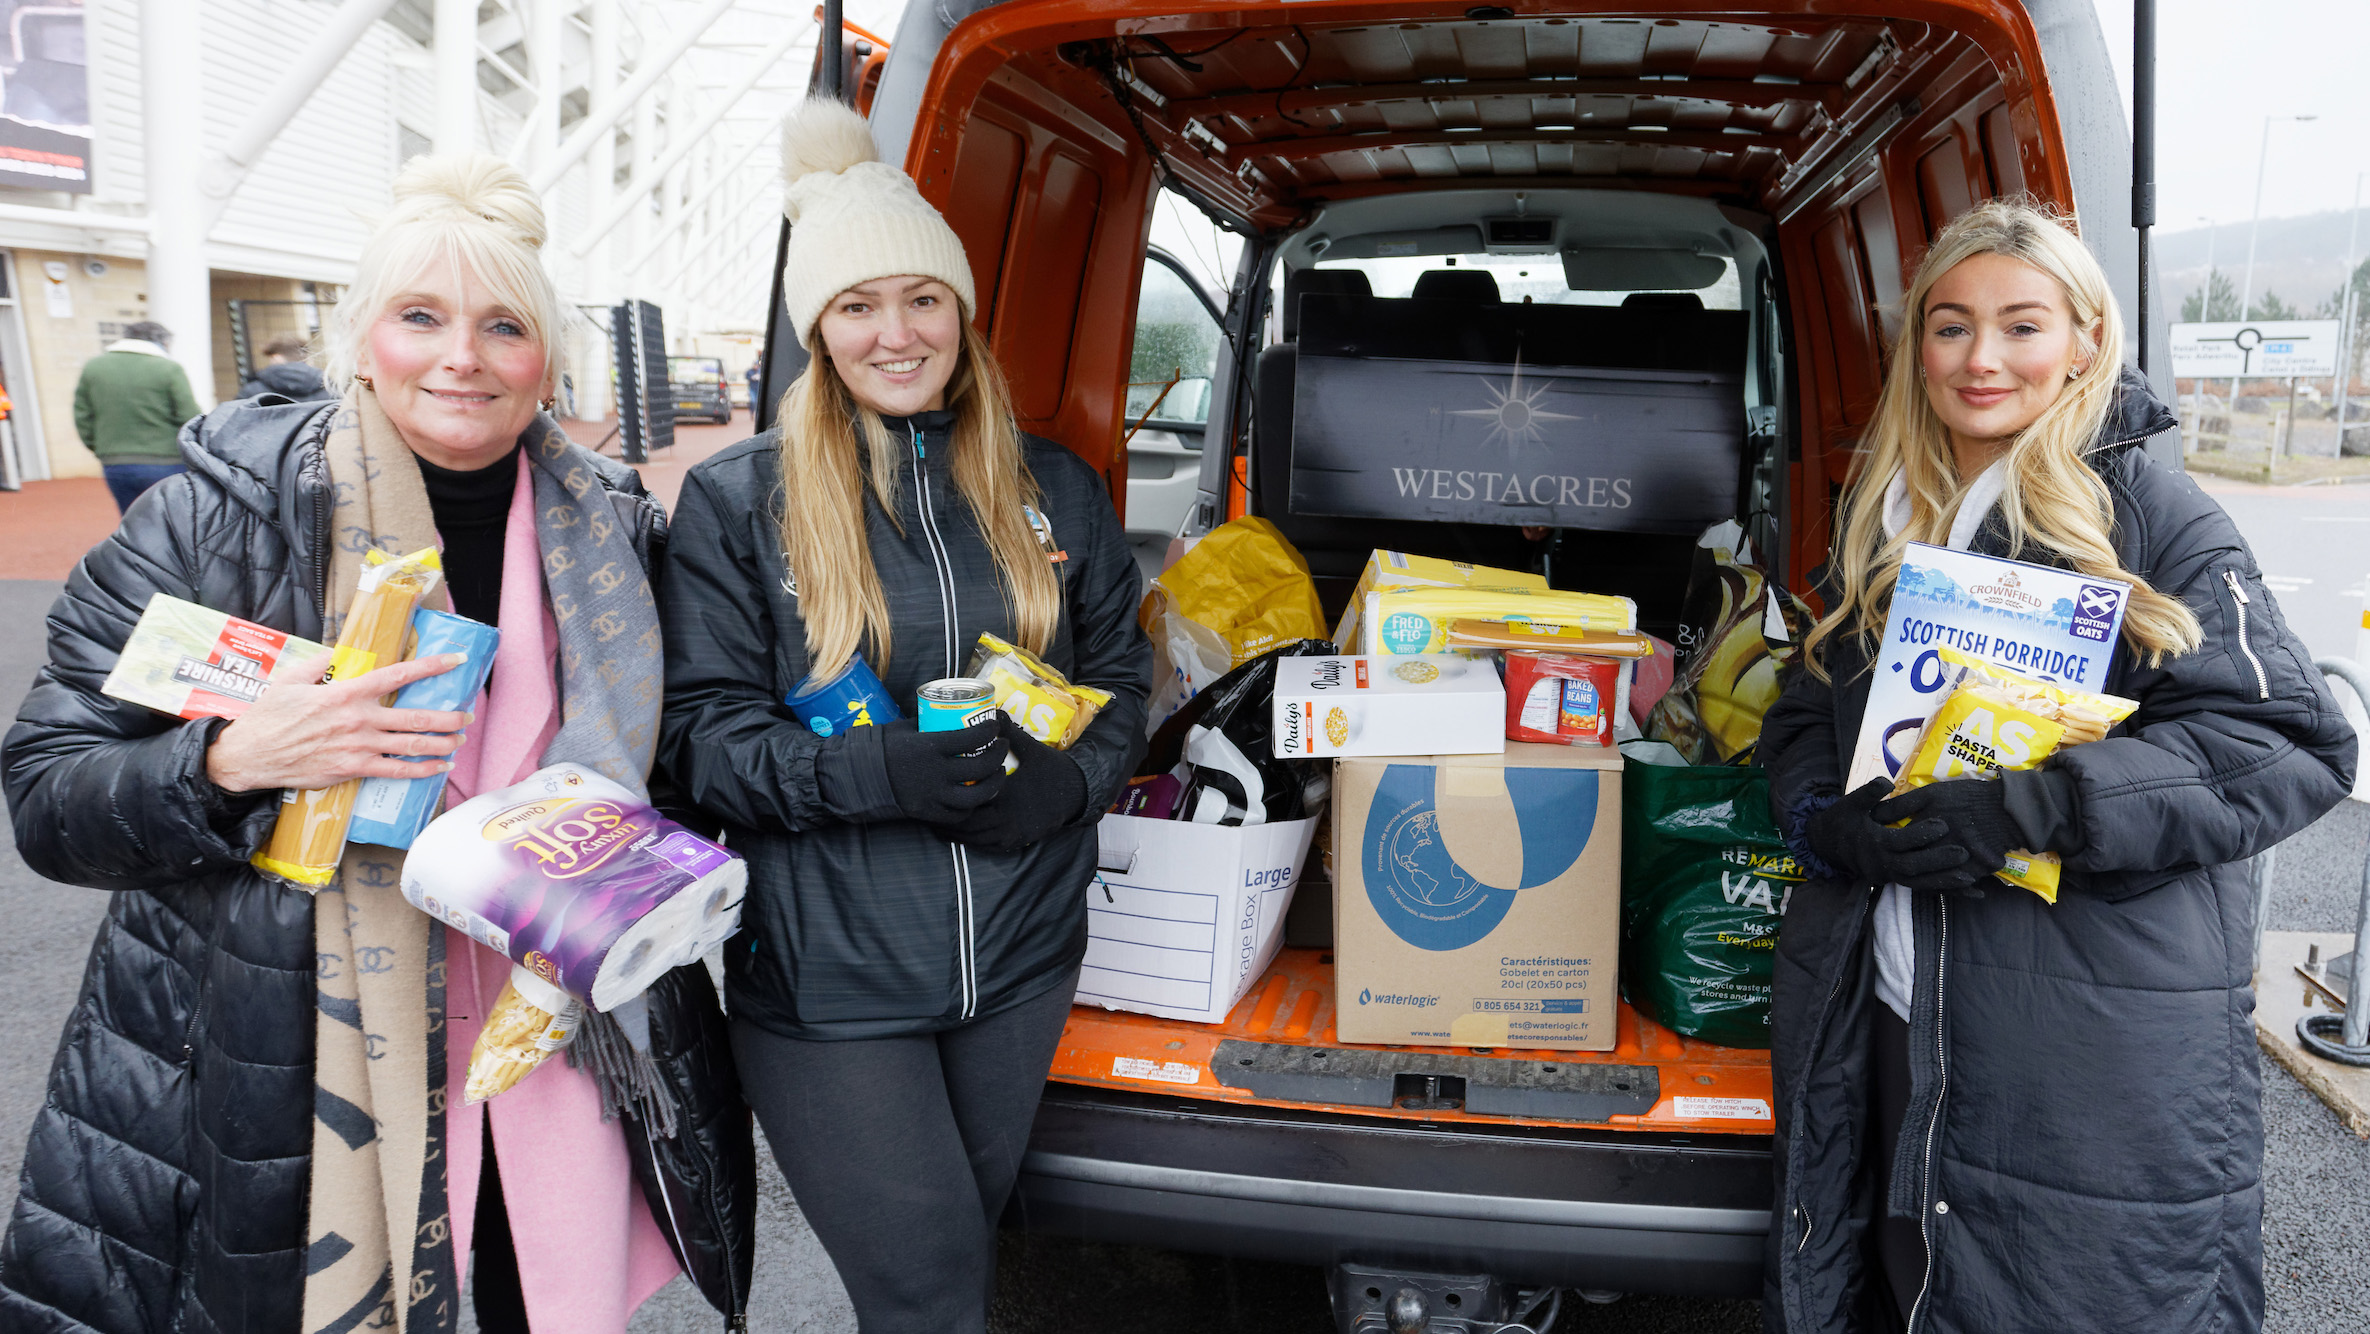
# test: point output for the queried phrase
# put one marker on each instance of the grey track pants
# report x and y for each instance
(901, 1152)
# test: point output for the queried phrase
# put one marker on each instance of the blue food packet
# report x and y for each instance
(391, 812)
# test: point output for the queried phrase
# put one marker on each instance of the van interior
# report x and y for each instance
(1720, 207)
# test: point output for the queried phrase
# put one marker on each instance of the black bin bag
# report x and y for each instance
(1705, 877)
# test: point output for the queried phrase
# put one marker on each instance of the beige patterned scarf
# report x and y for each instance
(380, 1230)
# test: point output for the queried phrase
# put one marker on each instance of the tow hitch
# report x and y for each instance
(1368, 1300)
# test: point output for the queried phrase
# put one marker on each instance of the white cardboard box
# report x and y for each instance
(1182, 917)
(1416, 704)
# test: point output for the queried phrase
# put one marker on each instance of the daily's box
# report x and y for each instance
(1425, 704)
(1477, 898)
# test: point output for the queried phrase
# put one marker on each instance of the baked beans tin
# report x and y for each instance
(953, 703)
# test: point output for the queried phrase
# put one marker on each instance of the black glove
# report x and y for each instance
(1982, 815)
(1046, 792)
(1850, 837)
(941, 777)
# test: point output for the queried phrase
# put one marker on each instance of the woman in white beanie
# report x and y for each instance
(916, 915)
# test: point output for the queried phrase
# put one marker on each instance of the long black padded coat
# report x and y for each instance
(2084, 1142)
(861, 923)
(165, 1183)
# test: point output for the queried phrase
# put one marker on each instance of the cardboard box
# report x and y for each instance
(1477, 899)
(1395, 569)
(1182, 917)
(1428, 704)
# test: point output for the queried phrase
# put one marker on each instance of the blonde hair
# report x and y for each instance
(2051, 501)
(823, 529)
(474, 212)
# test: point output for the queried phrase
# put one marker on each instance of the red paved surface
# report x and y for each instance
(45, 528)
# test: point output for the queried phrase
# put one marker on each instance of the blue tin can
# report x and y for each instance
(854, 698)
(953, 703)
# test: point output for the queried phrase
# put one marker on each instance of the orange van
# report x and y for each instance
(1652, 191)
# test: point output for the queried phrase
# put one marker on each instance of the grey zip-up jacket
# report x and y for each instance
(861, 923)
(2084, 1140)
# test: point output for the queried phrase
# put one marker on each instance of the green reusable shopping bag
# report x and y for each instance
(1704, 879)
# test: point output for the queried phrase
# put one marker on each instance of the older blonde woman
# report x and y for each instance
(1996, 1113)
(253, 1122)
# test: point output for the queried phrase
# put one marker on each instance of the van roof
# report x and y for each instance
(1268, 111)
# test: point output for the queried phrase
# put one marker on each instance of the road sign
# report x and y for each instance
(2274, 349)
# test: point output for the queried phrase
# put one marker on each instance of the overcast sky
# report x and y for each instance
(2221, 67)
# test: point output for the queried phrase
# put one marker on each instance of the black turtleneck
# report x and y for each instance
(472, 511)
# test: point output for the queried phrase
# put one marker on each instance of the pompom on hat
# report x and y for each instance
(854, 218)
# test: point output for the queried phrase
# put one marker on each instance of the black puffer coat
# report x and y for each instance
(165, 1184)
(2084, 1144)
(859, 922)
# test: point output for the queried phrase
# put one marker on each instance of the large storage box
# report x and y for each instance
(1477, 898)
(1183, 917)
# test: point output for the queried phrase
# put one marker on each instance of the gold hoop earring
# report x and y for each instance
(551, 402)
(364, 381)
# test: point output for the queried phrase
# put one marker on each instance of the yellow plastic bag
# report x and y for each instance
(530, 1020)
(1993, 721)
(1239, 592)
(1033, 694)
(310, 834)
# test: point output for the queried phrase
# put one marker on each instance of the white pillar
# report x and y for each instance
(173, 118)
(645, 150)
(543, 57)
(456, 76)
(600, 161)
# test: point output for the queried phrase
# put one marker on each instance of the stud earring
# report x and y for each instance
(550, 403)
(364, 381)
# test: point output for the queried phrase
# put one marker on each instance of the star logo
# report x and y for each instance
(1515, 416)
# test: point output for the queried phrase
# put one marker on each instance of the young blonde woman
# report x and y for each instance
(916, 915)
(1995, 1114)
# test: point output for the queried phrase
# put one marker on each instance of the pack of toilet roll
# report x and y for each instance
(578, 881)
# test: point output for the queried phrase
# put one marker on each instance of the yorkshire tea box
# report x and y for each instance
(1398, 569)
(1432, 704)
(195, 662)
(1477, 898)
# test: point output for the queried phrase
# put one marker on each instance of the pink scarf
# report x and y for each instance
(588, 1250)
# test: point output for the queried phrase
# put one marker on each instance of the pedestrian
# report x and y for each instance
(129, 405)
(916, 915)
(755, 375)
(231, 1139)
(1994, 1113)
(285, 373)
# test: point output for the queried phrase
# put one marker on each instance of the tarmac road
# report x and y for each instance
(2317, 1188)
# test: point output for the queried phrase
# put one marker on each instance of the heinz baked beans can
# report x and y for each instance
(953, 703)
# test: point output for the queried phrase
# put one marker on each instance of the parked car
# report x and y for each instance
(699, 389)
(1730, 197)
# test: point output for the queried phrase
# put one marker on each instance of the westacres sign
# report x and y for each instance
(1472, 438)
(45, 116)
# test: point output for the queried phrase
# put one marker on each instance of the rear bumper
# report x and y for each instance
(1535, 1205)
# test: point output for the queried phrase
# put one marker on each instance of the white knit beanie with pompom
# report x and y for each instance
(854, 218)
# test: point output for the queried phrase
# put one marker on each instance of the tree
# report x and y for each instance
(2222, 306)
(2272, 308)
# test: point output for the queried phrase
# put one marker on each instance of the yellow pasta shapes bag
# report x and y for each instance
(1995, 720)
(1044, 702)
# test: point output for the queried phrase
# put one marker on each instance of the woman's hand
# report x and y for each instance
(311, 736)
(941, 777)
(1044, 793)
(1853, 839)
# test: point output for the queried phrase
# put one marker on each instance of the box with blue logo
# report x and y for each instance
(1477, 898)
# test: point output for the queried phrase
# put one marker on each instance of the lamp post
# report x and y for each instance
(2345, 312)
(2205, 313)
(2246, 297)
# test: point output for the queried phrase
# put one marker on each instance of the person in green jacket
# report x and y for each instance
(128, 408)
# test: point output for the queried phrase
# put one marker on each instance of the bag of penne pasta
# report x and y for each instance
(1993, 720)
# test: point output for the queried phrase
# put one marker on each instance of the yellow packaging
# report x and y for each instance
(1397, 569)
(1993, 721)
(1034, 695)
(310, 835)
(530, 1020)
(1418, 620)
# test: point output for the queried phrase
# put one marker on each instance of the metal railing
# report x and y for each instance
(2344, 1038)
